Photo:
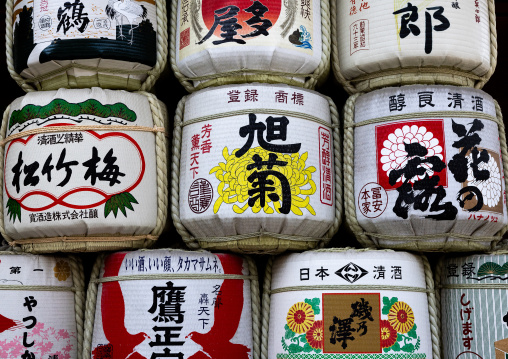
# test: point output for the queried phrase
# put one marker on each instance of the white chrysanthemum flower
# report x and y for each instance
(490, 188)
(394, 155)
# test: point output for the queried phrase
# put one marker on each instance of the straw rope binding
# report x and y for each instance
(103, 241)
(415, 243)
(414, 75)
(258, 242)
(250, 75)
(35, 83)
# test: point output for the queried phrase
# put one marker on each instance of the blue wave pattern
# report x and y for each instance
(305, 38)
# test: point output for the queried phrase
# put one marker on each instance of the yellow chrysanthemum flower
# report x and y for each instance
(300, 317)
(234, 182)
(401, 317)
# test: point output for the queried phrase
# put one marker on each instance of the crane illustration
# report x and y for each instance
(118, 9)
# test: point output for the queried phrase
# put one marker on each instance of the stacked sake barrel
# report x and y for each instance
(256, 152)
(425, 151)
(85, 162)
(43, 305)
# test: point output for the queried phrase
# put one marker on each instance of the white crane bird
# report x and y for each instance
(118, 9)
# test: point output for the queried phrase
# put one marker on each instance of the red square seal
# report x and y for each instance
(391, 150)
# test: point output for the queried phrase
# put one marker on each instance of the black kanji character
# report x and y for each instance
(48, 167)
(362, 310)
(29, 171)
(67, 165)
(277, 130)
(341, 331)
(258, 10)
(169, 300)
(167, 354)
(264, 185)
(226, 18)
(169, 333)
(77, 17)
(17, 171)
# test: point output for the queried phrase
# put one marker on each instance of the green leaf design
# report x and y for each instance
(289, 333)
(13, 210)
(418, 342)
(412, 332)
(400, 337)
(62, 107)
(121, 111)
(387, 304)
(395, 347)
(59, 107)
(119, 202)
(95, 108)
(294, 348)
(307, 348)
(314, 303)
(408, 348)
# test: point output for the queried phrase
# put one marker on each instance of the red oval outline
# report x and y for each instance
(60, 200)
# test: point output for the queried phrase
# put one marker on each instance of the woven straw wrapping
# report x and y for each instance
(413, 75)
(431, 296)
(91, 303)
(78, 283)
(249, 75)
(467, 243)
(256, 242)
(104, 242)
(105, 77)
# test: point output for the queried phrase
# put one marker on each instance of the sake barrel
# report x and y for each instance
(84, 170)
(349, 304)
(257, 174)
(116, 44)
(43, 304)
(275, 41)
(424, 168)
(378, 44)
(474, 306)
(172, 304)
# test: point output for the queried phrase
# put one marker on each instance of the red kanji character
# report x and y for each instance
(364, 6)
(194, 171)
(487, 218)
(480, 216)
(194, 158)
(352, 11)
(195, 142)
(494, 220)
(206, 130)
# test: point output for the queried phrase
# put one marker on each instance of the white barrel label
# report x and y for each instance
(257, 163)
(312, 323)
(378, 35)
(36, 323)
(187, 318)
(78, 180)
(445, 168)
(474, 316)
(212, 24)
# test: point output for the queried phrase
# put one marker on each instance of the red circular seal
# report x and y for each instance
(200, 195)
(372, 200)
